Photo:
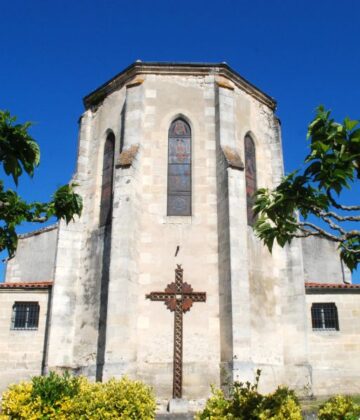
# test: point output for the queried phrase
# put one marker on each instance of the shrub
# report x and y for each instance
(68, 398)
(50, 391)
(115, 399)
(280, 405)
(246, 403)
(339, 407)
(17, 402)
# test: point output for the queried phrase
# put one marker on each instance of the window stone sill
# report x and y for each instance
(178, 220)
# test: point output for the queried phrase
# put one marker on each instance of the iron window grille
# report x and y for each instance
(25, 316)
(324, 317)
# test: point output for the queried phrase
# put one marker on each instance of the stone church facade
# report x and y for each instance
(168, 157)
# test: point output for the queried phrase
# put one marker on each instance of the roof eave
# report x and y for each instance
(28, 286)
(138, 68)
(331, 288)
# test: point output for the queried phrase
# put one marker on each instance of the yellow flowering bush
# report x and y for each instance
(69, 398)
(17, 402)
(217, 407)
(288, 409)
(246, 403)
(115, 399)
(339, 407)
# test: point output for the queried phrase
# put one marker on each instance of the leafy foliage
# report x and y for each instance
(339, 407)
(332, 165)
(19, 152)
(52, 389)
(246, 403)
(72, 398)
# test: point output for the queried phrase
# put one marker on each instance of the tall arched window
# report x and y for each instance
(179, 169)
(107, 181)
(250, 174)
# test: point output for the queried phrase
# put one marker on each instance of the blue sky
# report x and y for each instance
(52, 53)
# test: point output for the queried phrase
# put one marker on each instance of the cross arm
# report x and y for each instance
(159, 296)
(197, 296)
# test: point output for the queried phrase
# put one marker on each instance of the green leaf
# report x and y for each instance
(350, 124)
(355, 136)
(19, 152)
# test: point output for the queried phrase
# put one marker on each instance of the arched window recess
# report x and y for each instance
(179, 169)
(250, 175)
(107, 181)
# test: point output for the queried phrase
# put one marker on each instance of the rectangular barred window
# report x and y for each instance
(25, 316)
(324, 317)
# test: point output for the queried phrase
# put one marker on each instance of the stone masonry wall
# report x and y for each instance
(35, 257)
(234, 280)
(139, 333)
(146, 260)
(21, 351)
(80, 292)
(335, 355)
(276, 279)
(322, 262)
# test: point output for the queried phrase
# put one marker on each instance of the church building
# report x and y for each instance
(169, 156)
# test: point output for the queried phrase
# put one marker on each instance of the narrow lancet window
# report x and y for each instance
(250, 174)
(107, 181)
(179, 169)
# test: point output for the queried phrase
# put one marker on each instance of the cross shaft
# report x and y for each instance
(178, 297)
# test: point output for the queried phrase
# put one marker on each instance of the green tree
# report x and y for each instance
(309, 202)
(20, 153)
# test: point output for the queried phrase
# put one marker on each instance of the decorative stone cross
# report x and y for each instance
(178, 297)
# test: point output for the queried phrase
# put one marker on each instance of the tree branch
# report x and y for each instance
(350, 250)
(340, 218)
(306, 233)
(333, 225)
(340, 206)
(40, 219)
(352, 234)
(321, 232)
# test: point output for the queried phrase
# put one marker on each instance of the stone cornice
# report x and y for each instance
(181, 69)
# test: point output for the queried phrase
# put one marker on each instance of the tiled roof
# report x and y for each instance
(29, 285)
(331, 286)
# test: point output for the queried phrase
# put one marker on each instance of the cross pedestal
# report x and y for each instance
(179, 298)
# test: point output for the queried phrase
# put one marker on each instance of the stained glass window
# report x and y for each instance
(250, 174)
(107, 181)
(179, 169)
